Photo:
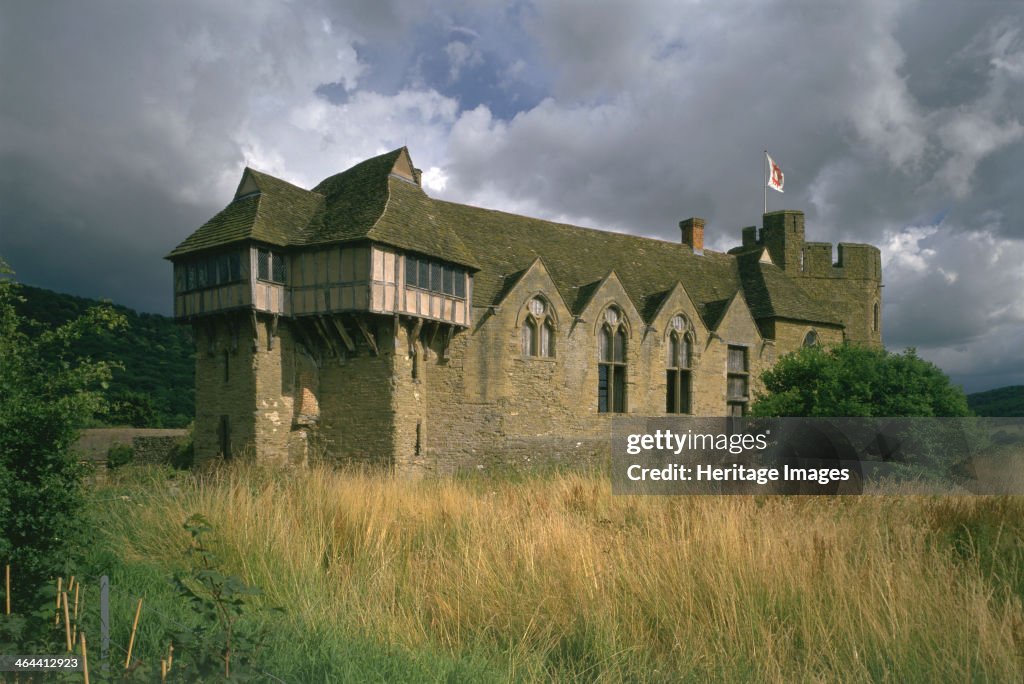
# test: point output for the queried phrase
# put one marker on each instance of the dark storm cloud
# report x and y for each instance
(126, 125)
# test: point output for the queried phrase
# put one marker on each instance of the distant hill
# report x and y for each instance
(157, 386)
(1003, 401)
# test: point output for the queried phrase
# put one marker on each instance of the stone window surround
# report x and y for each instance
(535, 315)
(613, 370)
(679, 331)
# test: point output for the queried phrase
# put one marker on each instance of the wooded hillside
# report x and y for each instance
(1000, 402)
(156, 388)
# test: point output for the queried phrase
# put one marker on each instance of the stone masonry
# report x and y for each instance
(425, 354)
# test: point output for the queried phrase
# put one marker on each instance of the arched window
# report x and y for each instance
(528, 335)
(811, 339)
(611, 385)
(680, 343)
(537, 335)
(874, 318)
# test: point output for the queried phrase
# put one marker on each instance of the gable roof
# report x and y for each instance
(381, 201)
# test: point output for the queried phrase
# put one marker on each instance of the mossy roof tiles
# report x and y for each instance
(371, 202)
(275, 215)
(577, 259)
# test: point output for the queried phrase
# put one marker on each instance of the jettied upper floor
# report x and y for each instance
(364, 240)
(371, 240)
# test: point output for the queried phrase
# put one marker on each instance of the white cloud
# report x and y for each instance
(461, 55)
(903, 251)
(434, 179)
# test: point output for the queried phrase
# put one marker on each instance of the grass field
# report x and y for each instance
(554, 577)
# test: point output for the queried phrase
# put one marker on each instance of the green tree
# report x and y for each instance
(851, 380)
(47, 391)
(132, 408)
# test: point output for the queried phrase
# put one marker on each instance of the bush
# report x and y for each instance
(856, 381)
(119, 455)
(183, 456)
(48, 392)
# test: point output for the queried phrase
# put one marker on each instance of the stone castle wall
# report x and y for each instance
(424, 402)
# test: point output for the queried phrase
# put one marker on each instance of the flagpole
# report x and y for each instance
(765, 181)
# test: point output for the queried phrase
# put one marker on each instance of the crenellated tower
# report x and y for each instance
(851, 284)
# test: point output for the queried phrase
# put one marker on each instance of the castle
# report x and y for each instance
(365, 320)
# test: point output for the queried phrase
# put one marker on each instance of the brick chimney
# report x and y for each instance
(693, 234)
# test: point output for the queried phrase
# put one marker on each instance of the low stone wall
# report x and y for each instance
(156, 449)
(149, 445)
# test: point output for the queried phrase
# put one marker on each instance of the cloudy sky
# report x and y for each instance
(124, 125)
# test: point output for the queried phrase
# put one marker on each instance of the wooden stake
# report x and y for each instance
(7, 587)
(170, 656)
(67, 621)
(163, 670)
(74, 628)
(131, 639)
(56, 618)
(85, 658)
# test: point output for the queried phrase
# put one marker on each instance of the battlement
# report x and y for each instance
(818, 259)
(783, 235)
(851, 283)
(860, 261)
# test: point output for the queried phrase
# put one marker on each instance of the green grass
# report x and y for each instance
(552, 577)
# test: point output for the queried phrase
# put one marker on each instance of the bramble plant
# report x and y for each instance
(228, 638)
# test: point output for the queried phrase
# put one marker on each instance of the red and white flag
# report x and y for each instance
(775, 177)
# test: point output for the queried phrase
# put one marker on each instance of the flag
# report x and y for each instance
(775, 177)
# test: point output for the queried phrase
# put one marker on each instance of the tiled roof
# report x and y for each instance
(577, 259)
(277, 213)
(371, 202)
(770, 293)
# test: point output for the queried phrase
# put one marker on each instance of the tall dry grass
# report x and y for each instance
(556, 577)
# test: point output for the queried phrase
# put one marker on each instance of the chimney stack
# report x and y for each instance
(693, 234)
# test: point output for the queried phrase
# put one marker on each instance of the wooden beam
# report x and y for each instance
(318, 326)
(332, 335)
(449, 332)
(433, 335)
(414, 335)
(304, 339)
(255, 332)
(339, 326)
(367, 334)
(272, 332)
